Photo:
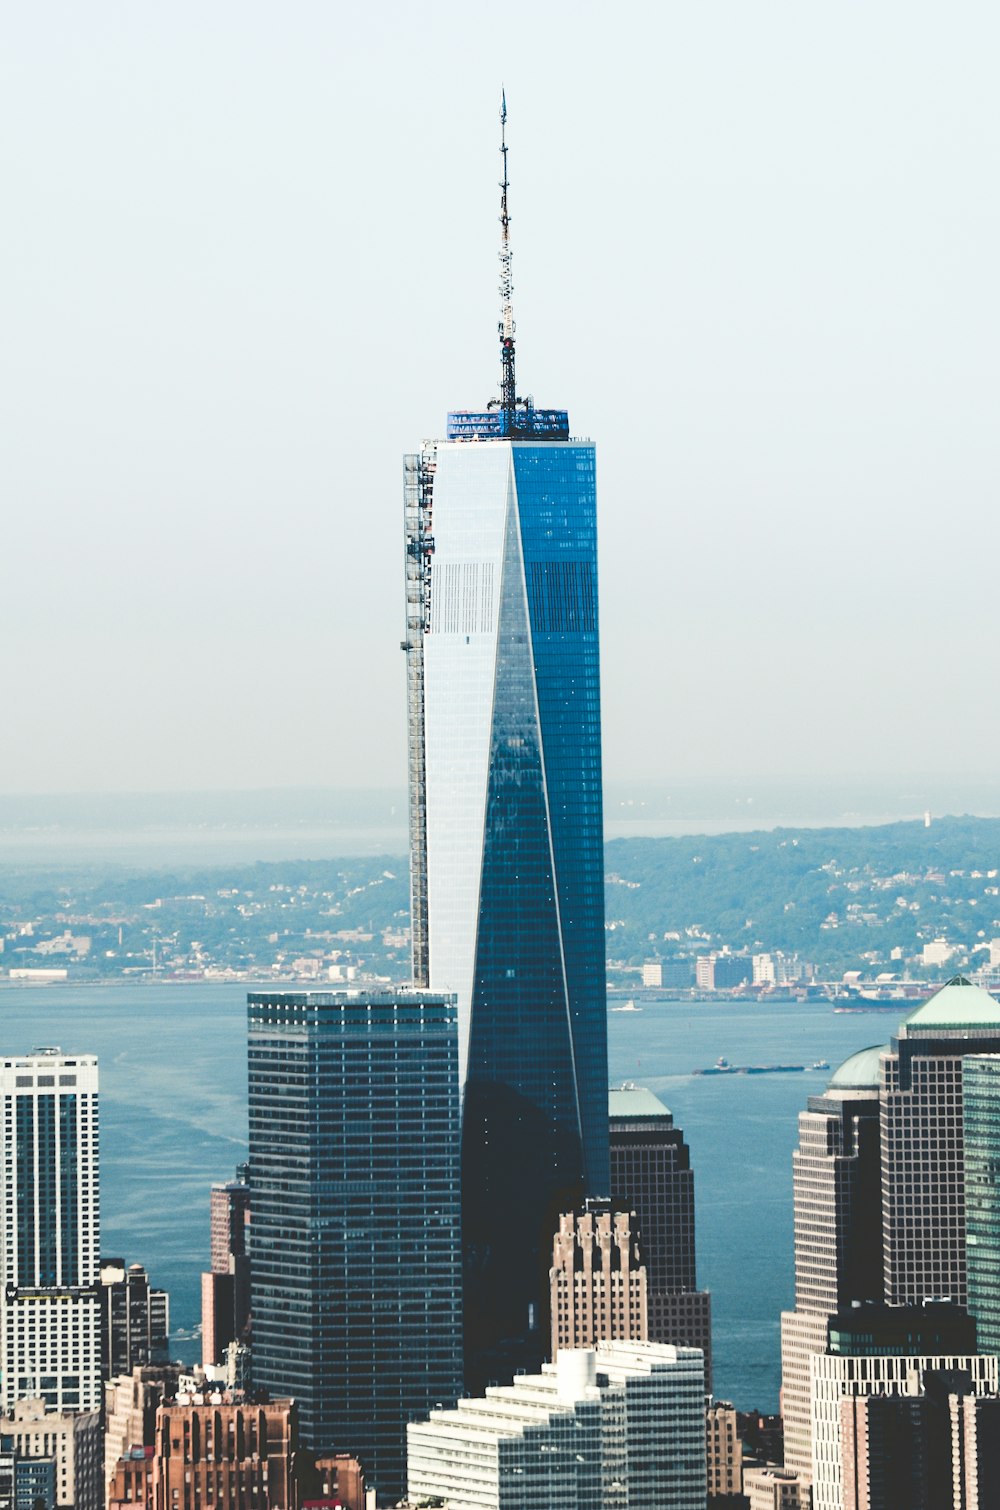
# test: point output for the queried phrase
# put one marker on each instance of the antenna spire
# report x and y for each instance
(508, 385)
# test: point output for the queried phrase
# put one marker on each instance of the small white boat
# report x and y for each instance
(629, 1006)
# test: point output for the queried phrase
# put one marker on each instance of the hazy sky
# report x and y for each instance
(249, 259)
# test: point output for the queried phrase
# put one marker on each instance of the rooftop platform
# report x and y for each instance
(526, 423)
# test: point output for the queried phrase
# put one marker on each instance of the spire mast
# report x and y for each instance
(508, 385)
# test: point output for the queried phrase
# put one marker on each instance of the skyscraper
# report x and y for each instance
(50, 1327)
(923, 1195)
(837, 1196)
(229, 1218)
(225, 1288)
(981, 1125)
(651, 1171)
(135, 1319)
(354, 1244)
(506, 830)
(597, 1281)
(880, 1184)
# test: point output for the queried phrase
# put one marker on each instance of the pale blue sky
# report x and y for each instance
(249, 259)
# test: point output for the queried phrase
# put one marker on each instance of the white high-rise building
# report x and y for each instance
(621, 1426)
(50, 1331)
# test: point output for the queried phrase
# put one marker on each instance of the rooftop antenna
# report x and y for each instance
(508, 385)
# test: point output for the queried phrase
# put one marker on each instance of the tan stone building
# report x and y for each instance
(212, 1453)
(597, 1280)
(724, 1451)
(776, 1489)
(72, 1438)
(130, 1405)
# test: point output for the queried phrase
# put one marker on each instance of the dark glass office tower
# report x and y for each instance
(354, 1243)
(507, 874)
(651, 1171)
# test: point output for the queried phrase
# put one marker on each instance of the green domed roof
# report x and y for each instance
(635, 1101)
(957, 1005)
(861, 1071)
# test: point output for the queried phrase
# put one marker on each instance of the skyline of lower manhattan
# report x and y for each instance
(490, 1245)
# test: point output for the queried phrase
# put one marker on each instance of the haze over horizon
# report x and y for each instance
(251, 261)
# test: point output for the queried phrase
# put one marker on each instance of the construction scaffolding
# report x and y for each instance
(418, 493)
(525, 422)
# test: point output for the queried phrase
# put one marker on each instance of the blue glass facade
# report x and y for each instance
(355, 1237)
(509, 719)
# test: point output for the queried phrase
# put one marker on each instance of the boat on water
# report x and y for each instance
(723, 1067)
(821, 1064)
(629, 1006)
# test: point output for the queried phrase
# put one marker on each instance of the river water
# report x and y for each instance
(174, 1117)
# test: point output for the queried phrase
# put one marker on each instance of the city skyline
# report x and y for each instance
(800, 445)
(746, 262)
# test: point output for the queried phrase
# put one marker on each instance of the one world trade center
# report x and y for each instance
(506, 841)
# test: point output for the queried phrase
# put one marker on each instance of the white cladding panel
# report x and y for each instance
(472, 494)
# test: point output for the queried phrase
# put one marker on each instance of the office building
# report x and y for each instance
(598, 1282)
(229, 1219)
(619, 1427)
(879, 1181)
(72, 1439)
(884, 1351)
(135, 1319)
(732, 970)
(923, 1196)
(27, 1483)
(931, 1450)
(130, 1486)
(975, 1449)
(772, 1488)
(355, 1238)
(218, 1310)
(225, 1287)
(865, 1451)
(507, 893)
(130, 1405)
(50, 1331)
(837, 1206)
(981, 1156)
(338, 1478)
(723, 1452)
(213, 1451)
(651, 1173)
(885, 1448)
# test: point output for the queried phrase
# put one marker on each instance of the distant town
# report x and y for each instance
(878, 912)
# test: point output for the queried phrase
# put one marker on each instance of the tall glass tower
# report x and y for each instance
(507, 870)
